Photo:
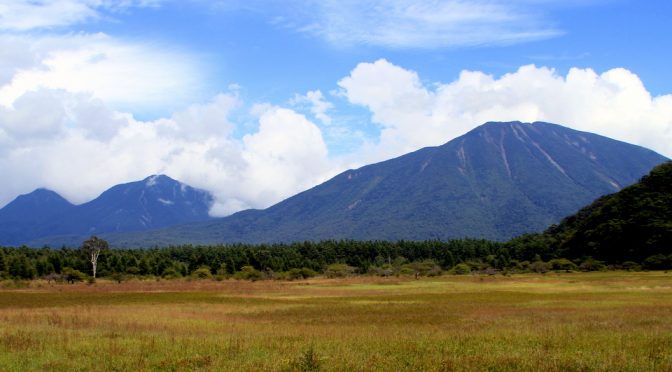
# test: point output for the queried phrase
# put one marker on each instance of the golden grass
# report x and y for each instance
(583, 321)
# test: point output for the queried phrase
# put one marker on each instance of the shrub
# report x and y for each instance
(383, 270)
(53, 277)
(562, 264)
(118, 277)
(461, 269)
(248, 273)
(339, 270)
(223, 270)
(302, 273)
(202, 272)
(424, 268)
(591, 264)
(658, 262)
(71, 275)
(539, 267)
(631, 266)
(172, 273)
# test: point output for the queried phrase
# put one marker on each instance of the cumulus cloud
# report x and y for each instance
(80, 147)
(412, 115)
(318, 105)
(424, 24)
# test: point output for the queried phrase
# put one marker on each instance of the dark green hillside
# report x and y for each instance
(631, 225)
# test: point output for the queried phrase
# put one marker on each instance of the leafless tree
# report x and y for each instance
(93, 246)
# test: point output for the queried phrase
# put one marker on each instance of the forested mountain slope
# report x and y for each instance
(498, 181)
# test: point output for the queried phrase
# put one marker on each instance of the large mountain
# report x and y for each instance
(155, 202)
(495, 182)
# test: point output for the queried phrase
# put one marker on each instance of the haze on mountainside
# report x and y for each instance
(498, 181)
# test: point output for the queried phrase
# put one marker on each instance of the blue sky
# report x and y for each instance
(257, 100)
(261, 45)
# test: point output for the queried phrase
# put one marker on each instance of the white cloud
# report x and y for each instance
(317, 104)
(421, 24)
(411, 115)
(25, 15)
(79, 148)
(286, 155)
(123, 74)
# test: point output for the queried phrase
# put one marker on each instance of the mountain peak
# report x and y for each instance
(156, 179)
(39, 197)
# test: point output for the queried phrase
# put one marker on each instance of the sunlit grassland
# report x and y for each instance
(578, 321)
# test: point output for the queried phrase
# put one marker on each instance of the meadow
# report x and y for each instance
(557, 321)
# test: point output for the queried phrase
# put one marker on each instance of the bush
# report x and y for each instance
(202, 272)
(248, 273)
(658, 262)
(424, 268)
(172, 273)
(539, 267)
(223, 271)
(53, 277)
(71, 275)
(383, 270)
(118, 277)
(460, 269)
(591, 264)
(562, 264)
(339, 270)
(303, 273)
(631, 266)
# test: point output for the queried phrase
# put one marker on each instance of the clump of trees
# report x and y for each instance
(530, 253)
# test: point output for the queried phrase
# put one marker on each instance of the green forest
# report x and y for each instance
(301, 260)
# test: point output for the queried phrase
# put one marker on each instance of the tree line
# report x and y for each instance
(528, 253)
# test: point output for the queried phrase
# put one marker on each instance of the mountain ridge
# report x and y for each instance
(495, 182)
(154, 202)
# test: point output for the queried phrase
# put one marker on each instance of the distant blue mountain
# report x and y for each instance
(498, 181)
(23, 219)
(155, 202)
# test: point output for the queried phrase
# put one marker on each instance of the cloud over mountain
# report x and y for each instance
(412, 114)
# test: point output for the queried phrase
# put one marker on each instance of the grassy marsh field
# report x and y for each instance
(568, 321)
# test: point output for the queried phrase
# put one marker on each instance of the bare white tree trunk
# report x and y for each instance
(94, 261)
